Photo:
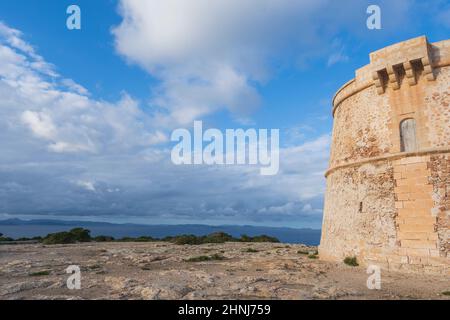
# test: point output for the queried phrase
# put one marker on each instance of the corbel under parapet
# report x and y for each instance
(393, 77)
(428, 69)
(378, 82)
(410, 74)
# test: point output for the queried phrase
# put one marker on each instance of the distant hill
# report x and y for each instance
(17, 228)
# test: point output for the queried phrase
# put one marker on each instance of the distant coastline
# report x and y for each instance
(17, 228)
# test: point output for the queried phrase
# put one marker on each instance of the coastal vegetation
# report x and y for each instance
(72, 236)
(2, 238)
(80, 235)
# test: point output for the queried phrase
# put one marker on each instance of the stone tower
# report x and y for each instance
(388, 185)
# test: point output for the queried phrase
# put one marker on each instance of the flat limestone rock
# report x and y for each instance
(136, 271)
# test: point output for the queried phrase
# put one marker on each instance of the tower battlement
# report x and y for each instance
(410, 58)
(396, 65)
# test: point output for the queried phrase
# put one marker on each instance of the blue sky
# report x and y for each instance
(85, 114)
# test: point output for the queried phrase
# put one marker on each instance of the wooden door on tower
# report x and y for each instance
(408, 135)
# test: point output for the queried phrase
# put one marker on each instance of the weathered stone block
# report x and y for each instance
(419, 244)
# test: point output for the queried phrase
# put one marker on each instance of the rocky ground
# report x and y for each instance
(162, 271)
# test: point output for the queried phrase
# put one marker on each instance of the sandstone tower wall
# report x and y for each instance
(388, 185)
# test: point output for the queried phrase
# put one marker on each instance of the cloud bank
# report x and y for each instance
(67, 155)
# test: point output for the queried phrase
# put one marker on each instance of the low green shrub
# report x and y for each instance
(206, 258)
(103, 239)
(40, 273)
(144, 239)
(351, 261)
(262, 238)
(67, 237)
(138, 239)
(81, 235)
(217, 237)
(185, 239)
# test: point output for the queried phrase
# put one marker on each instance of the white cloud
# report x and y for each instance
(13, 38)
(213, 55)
(66, 147)
(337, 57)
(158, 137)
(209, 54)
(58, 143)
(75, 87)
(338, 54)
(40, 123)
(88, 185)
(59, 111)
